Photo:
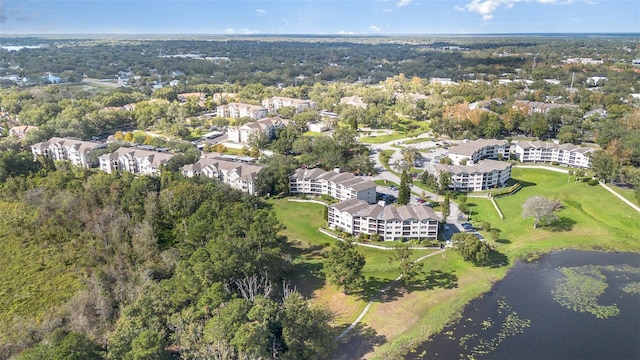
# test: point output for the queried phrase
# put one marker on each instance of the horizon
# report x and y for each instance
(318, 17)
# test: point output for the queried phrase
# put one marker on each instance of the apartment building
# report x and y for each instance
(353, 101)
(390, 223)
(539, 107)
(134, 160)
(565, 154)
(76, 151)
(476, 150)
(341, 186)
(487, 174)
(243, 133)
(240, 176)
(236, 110)
(278, 102)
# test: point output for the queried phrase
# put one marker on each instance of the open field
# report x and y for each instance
(382, 138)
(591, 219)
(36, 277)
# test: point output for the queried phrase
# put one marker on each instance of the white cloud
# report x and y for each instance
(261, 12)
(388, 10)
(402, 3)
(342, 32)
(230, 31)
(374, 28)
(486, 8)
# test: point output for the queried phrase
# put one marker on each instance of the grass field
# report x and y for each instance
(36, 278)
(382, 138)
(591, 219)
(626, 193)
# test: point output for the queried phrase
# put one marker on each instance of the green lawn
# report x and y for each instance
(591, 218)
(382, 138)
(626, 193)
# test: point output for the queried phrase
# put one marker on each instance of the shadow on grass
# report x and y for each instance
(497, 259)
(503, 241)
(440, 279)
(307, 278)
(373, 285)
(526, 183)
(561, 224)
(360, 341)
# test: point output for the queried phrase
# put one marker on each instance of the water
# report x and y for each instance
(519, 319)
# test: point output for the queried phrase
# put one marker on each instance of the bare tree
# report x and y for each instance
(249, 286)
(540, 209)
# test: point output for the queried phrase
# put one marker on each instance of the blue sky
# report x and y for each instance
(317, 16)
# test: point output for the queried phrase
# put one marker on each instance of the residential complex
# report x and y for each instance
(390, 223)
(487, 174)
(538, 107)
(236, 110)
(243, 133)
(277, 102)
(237, 175)
(474, 151)
(74, 150)
(565, 154)
(341, 186)
(134, 160)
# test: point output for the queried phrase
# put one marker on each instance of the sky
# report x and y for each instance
(325, 17)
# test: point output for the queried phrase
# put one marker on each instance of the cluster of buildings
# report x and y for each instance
(244, 133)
(238, 175)
(277, 102)
(145, 161)
(358, 213)
(236, 110)
(475, 167)
(538, 107)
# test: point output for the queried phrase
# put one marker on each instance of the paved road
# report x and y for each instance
(383, 174)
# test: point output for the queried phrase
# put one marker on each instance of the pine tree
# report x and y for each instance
(404, 192)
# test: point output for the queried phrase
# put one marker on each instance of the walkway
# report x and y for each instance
(634, 206)
(376, 297)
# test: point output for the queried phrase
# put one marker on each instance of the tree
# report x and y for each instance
(540, 209)
(410, 154)
(408, 269)
(471, 248)
(404, 192)
(149, 344)
(77, 346)
(604, 166)
(444, 180)
(446, 208)
(344, 266)
(305, 328)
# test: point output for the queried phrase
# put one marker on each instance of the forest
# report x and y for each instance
(125, 267)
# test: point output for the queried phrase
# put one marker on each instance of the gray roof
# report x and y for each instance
(550, 145)
(484, 166)
(469, 148)
(344, 178)
(360, 208)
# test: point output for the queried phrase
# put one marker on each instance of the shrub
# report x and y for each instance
(555, 163)
(593, 182)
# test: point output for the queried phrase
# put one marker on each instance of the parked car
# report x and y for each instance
(480, 237)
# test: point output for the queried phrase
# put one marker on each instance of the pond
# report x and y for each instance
(566, 305)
